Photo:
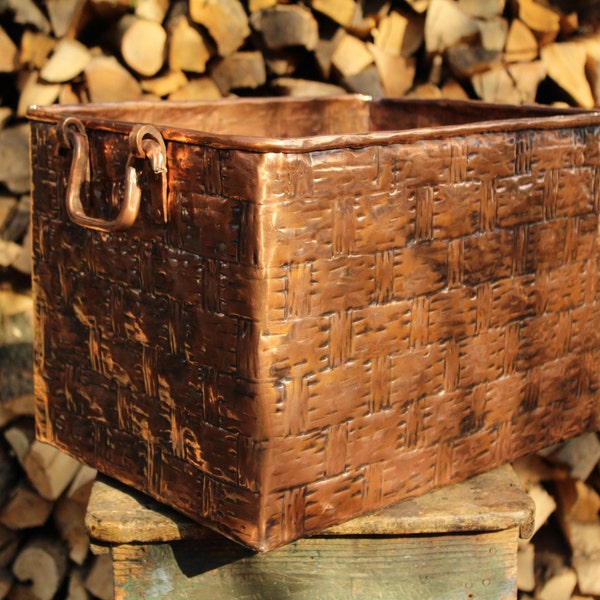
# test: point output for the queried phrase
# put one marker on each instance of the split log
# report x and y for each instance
(14, 157)
(142, 44)
(255, 5)
(225, 20)
(8, 475)
(68, 517)
(465, 61)
(43, 564)
(201, 88)
(68, 60)
(343, 12)
(580, 454)
(303, 88)
(20, 436)
(240, 70)
(152, 10)
(545, 505)
(559, 585)
(446, 25)
(164, 85)
(284, 26)
(8, 53)
(189, 49)
(48, 469)
(389, 35)
(111, 10)
(108, 81)
(566, 65)
(25, 508)
(351, 56)
(493, 33)
(15, 229)
(36, 91)
(521, 44)
(325, 49)
(76, 587)
(25, 12)
(419, 6)
(6, 582)
(67, 17)
(542, 19)
(527, 78)
(35, 49)
(9, 544)
(397, 73)
(578, 513)
(482, 9)
(525, 567)
(99, 580)
(365, 82)
(496, 85)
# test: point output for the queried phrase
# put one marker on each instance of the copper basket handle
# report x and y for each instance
(145, 141)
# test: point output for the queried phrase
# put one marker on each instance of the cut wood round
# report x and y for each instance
(142, 44)
(68, 60)
(225, 20)
(43, 562)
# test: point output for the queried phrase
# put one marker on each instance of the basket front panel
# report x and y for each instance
(440, 312)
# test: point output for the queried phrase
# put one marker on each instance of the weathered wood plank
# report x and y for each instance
(417, 567)
(488, 502)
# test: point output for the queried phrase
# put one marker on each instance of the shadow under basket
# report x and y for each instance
(277, 314)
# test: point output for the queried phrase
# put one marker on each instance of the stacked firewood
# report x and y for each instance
(561, 561)
(72, 51)
(44, 547)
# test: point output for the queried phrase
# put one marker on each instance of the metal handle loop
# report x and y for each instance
(145, 141)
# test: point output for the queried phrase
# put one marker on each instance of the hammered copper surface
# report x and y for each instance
(379, 298)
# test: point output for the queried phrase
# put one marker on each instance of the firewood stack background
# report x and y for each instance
(72, 51)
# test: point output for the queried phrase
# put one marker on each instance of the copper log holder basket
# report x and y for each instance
(277, 314)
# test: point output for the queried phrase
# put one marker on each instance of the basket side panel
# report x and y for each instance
(146, 339)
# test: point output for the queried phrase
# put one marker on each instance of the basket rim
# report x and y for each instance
(527, 117)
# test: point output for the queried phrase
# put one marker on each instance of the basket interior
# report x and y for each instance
(287, 118)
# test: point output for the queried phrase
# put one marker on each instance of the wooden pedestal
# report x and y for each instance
(457, 542)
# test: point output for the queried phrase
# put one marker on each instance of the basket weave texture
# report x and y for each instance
(326, 324)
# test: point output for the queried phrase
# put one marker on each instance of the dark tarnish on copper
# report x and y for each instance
(314, 308)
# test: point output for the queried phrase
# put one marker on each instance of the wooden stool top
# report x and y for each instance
(492, 501)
